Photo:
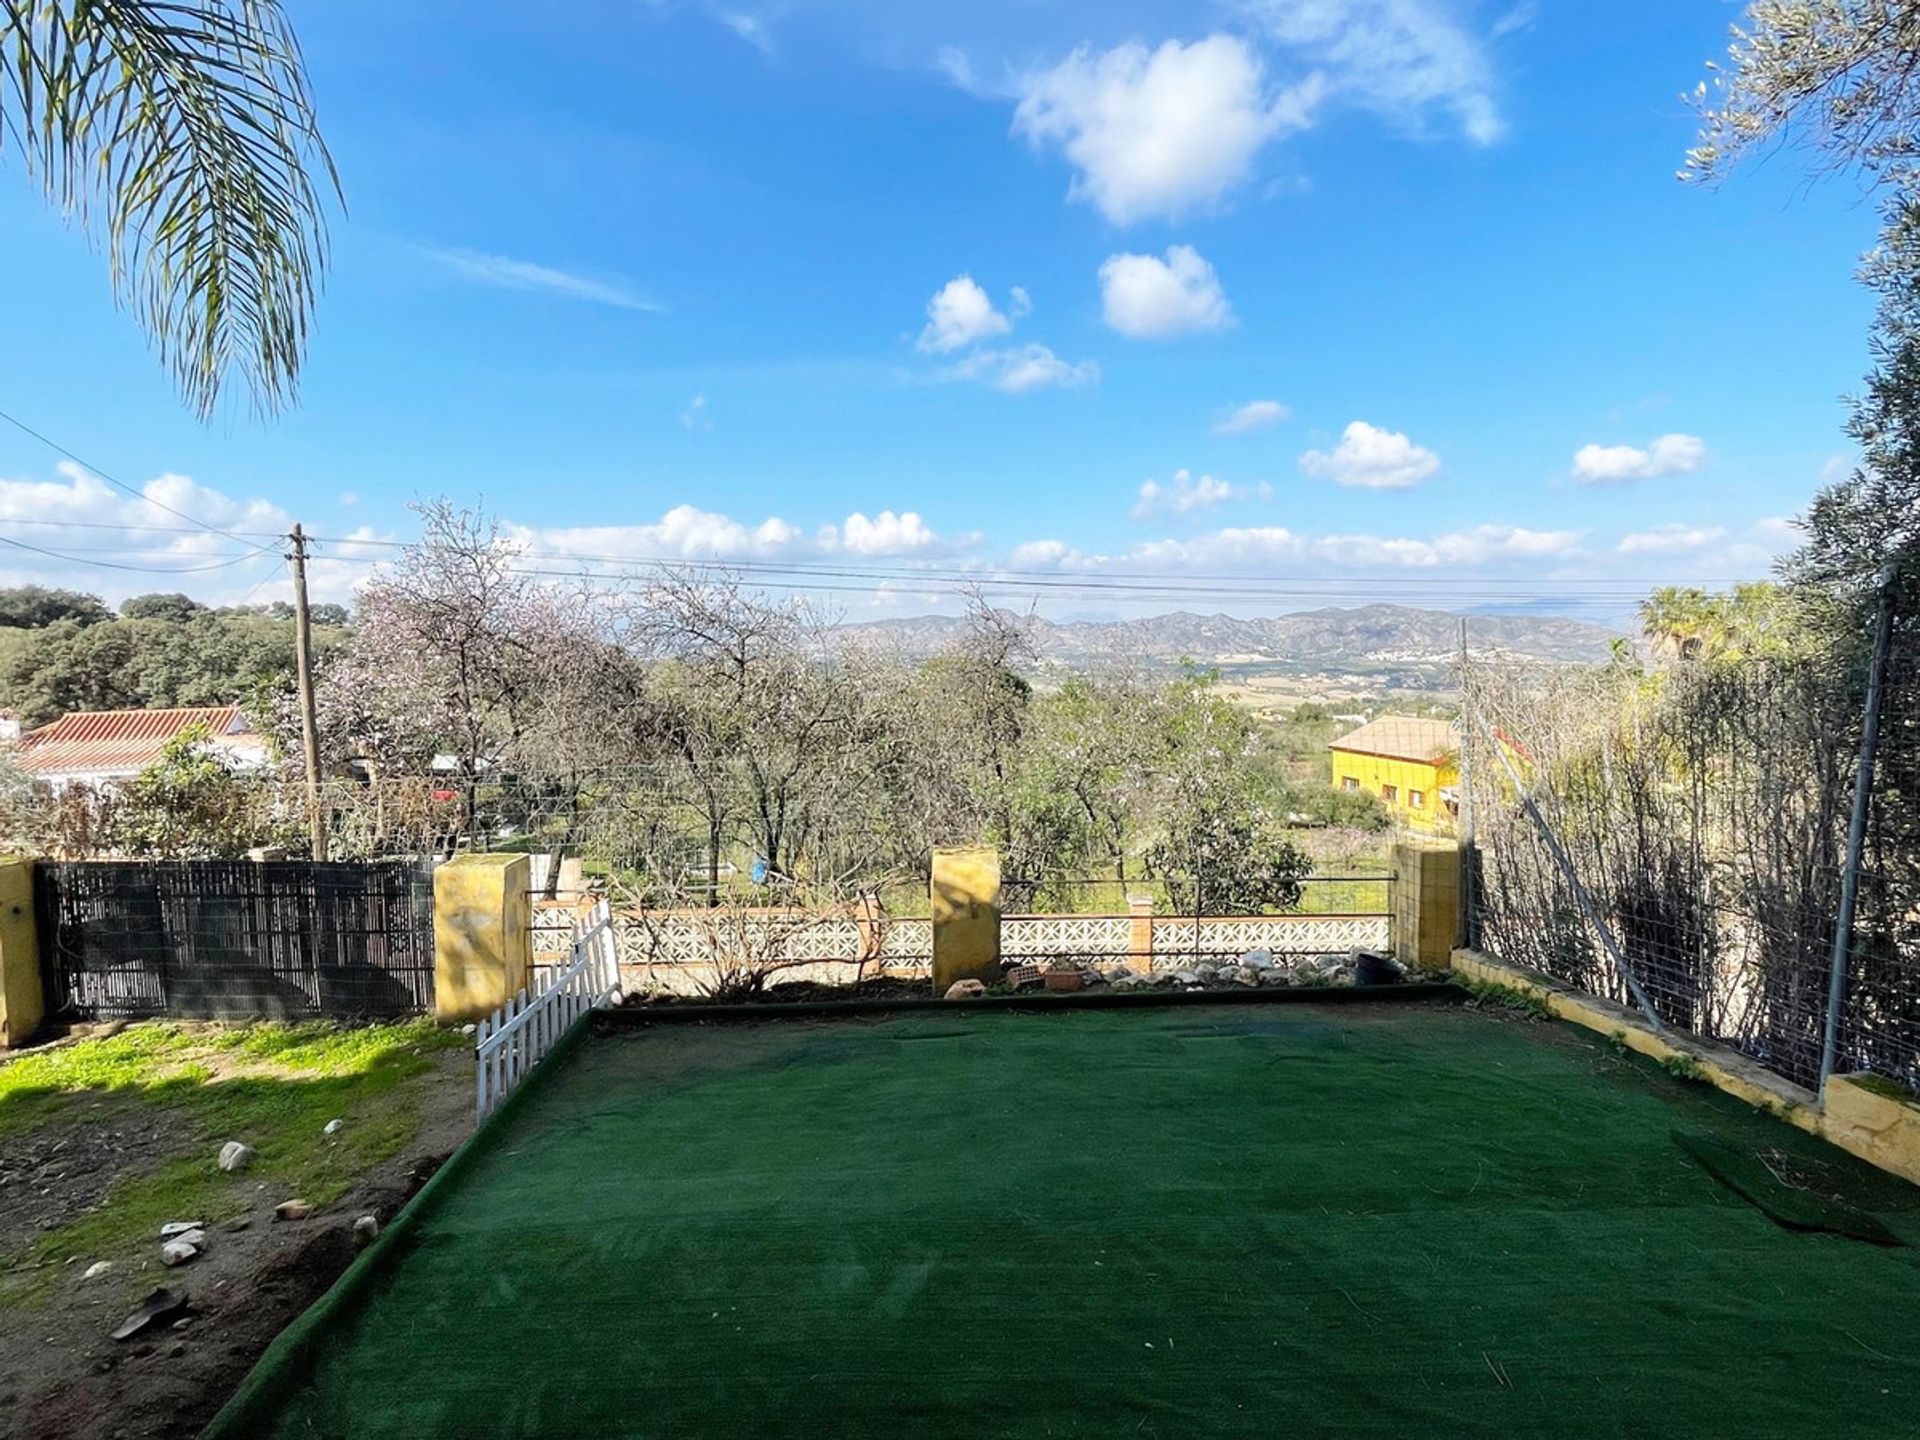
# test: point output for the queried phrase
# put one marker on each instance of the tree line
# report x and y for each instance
(63, 650)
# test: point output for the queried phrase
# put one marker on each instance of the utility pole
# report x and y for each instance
(303, 670)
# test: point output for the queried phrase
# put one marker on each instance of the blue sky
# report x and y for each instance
(991, 288)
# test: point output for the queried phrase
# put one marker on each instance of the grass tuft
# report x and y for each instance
(273, 1086)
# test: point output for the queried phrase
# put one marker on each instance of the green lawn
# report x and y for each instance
(273, 1086)
(1390, 1220)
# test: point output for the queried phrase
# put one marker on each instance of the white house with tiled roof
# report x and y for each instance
(90, 747)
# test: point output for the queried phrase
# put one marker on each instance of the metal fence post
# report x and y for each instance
(1857, 829)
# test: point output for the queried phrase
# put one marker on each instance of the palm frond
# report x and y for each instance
(184, 133)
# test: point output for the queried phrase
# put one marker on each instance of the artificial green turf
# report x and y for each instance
(1406, 1221)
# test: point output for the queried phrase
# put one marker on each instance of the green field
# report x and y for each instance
(1369, 1219)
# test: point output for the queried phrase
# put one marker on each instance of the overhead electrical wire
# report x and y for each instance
(823, 575)
(93, 469)
(138, 569)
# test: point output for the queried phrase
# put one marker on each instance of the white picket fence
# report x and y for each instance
(512, 1040)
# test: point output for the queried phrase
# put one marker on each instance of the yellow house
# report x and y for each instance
(1412, 763)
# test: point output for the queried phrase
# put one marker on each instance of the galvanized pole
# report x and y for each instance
(1857, 830)
(1595, 920)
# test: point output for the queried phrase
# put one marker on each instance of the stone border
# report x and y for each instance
(1864, 1115)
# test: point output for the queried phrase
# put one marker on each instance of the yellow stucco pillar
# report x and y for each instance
(22, 1005)
(965, 894)
(1426, 903)
(482, 934)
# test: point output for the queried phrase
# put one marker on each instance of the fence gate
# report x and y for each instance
(232, 939)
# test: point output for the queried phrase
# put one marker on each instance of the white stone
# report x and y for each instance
(1257, 960)
(97, 1269)
(366, 1229)
(1243, 975)
(333, 1127)
(234, 1156)
(966, 990)
(1186, 977)
(178, 1252)
(180, 1227)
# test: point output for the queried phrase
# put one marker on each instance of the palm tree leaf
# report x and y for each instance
(184, 132)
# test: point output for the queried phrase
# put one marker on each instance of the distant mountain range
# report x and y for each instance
(1371, 639)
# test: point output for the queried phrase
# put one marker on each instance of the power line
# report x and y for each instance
(55, 445)
(842, 569)
(138, 569)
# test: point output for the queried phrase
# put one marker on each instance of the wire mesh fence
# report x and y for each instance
(1677, 838)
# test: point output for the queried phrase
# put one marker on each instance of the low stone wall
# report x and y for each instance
(666, 954)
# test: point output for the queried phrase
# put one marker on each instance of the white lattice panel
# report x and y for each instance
(1281, 934)
(906, 940)
(1068, 935)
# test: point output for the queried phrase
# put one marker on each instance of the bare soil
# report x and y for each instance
(63, 1378)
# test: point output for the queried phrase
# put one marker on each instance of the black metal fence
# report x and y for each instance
(227, 939)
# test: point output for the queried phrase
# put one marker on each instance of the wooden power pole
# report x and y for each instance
(303, 670)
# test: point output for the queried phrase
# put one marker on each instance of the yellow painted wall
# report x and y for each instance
(965, 895)
(482, 934)
(1374, 772)
(1426, 903)
(21, 1003)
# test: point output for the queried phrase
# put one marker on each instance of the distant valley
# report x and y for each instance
(1395, 646)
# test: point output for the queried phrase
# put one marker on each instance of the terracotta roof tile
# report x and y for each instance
(1403, 737)
(109, 742)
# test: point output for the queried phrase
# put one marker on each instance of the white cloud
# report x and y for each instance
(1398, 58)
(1623, 464)
(1672, 539)
(749, 27)
(1020, 368)
(1163, 132)
(1184, 494)
(1257, 549)
(688, 533)
(1372, 458)
(504, 273)
(1517, 20)
(695, 416)
(957, 66)
(1254, 415)
(887, 534)
(80, 515)
(961, 313)
(1148, 298)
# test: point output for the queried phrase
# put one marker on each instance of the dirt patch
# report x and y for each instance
(62, 1378)
(53, 1172)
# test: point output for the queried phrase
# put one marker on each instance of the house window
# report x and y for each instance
(1349, 783)
(1417, 799)
(1389, 793)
